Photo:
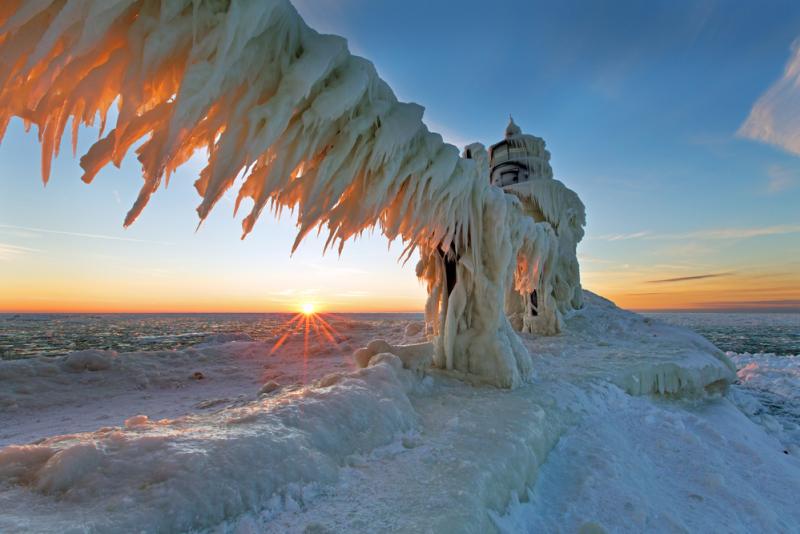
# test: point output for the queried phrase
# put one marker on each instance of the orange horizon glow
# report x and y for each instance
(726, 291)
(721, 298)
(77, 305)
(34, 289)
(89, 308)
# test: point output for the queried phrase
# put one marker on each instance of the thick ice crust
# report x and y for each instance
(640, 355)
(386, 447)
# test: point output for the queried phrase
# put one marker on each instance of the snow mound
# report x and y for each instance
(89, 360)
(768, 392)
(770, 372)
(415, 329)
(196, 471)
(385, 448)
(634, 465)
(417, 357)
(640, 355)
(46, 395)
(99, 373)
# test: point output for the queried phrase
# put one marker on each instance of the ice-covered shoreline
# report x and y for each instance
(383, 448)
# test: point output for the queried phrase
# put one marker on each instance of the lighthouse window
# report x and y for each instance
(509, 178)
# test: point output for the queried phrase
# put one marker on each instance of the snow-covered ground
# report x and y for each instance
(625, 428)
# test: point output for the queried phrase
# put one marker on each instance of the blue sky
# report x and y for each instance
(639, 103)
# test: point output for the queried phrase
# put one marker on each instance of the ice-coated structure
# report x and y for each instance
(309, 126)
(520, 164)
(542, 226)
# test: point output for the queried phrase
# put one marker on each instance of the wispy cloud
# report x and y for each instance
(284, 292)
(590, 259)
(8, 252)
(718, 233)
(781, 179)
(775, 117)
(688, 278)
(342, 270)
(354, 294)
(623, 237)
(734, 233)
(81, 234)
(22, 234)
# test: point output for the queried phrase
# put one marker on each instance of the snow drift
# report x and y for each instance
(281, 441)
(198, 470)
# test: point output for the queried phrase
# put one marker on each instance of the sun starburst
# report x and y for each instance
(311, 327)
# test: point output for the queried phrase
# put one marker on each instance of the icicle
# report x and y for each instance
(310, 127)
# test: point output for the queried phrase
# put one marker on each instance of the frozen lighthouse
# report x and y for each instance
(521, 274)
(516, 159)
(520, 165)
(290, 120)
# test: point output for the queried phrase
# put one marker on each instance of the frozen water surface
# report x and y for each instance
(139, 443)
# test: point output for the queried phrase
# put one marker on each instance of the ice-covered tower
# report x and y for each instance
(520, 166)
(518, 158)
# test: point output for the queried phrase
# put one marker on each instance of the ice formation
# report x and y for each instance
(306, 126)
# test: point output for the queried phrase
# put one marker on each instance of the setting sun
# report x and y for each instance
(308, 308)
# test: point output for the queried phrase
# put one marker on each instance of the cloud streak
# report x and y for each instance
(8, 252)
(81, 234)
(624, 237)
(780, 179)
(688, 278)
(715, 234)
(775, 116)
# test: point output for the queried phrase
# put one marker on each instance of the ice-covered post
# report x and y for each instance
(471, 333)
(294, 121)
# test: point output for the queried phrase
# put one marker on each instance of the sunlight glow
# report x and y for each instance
(308, 308)
(311, 330)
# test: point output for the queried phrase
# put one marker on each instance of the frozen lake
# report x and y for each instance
(26, 335)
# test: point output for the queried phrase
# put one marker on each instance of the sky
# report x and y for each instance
(673, 120)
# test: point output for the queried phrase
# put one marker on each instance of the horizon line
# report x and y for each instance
(773, 309)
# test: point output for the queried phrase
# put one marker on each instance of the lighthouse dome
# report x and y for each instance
(518, 158)
(512, 129)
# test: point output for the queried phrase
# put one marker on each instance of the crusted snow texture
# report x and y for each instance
(304, 124)
(141, 447)
(199, 470)
(416, 357)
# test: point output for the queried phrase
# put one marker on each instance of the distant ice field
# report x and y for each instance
(769, 333)
(28, 335)
(762, 345)
(766, 350)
